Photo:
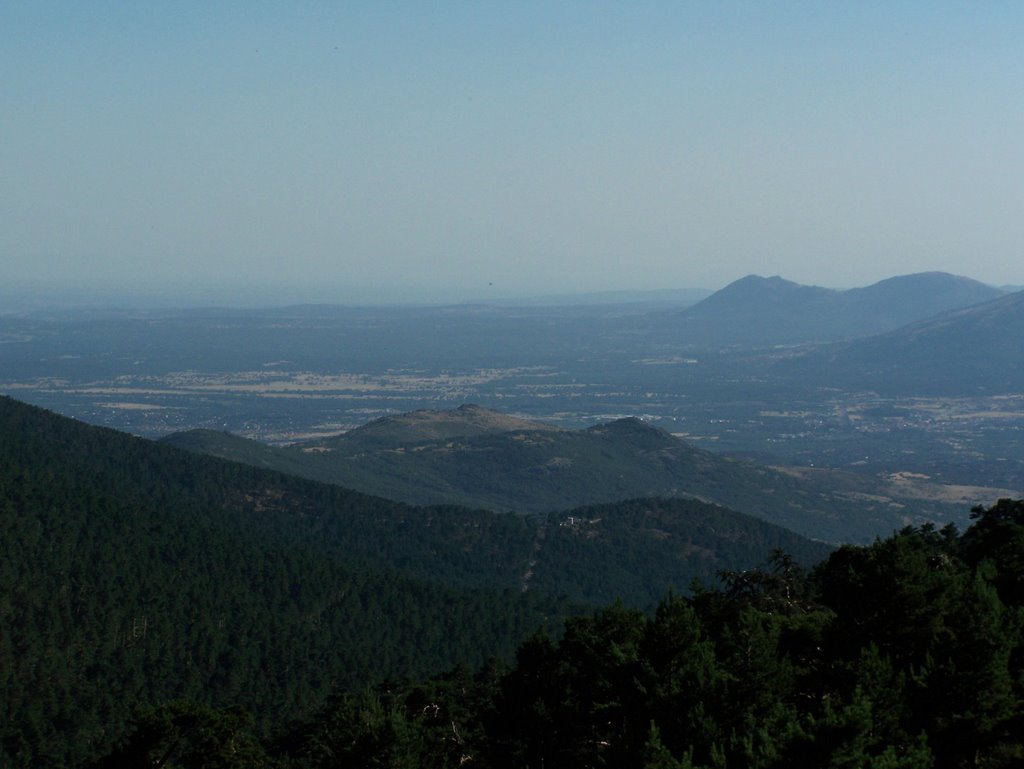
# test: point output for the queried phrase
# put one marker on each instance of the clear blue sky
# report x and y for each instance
(501, 148)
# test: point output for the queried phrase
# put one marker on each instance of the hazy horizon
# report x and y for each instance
(471, 152)
(26, 295)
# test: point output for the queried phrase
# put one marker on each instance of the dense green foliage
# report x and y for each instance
(635, 549)
(906, 654)
(133, 573)
(164, 608)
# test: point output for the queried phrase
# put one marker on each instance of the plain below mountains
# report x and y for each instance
(477, 457)
(758, 311)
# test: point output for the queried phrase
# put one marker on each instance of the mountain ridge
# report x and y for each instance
(765, 311)
(539, 471)
(464, 421)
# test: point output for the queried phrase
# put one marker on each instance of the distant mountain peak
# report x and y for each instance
(921, 283)
(467, 420)
(759, 290)
(759, 283)
(754, 279)
(627, 424)
(636, 429)
(759, 311)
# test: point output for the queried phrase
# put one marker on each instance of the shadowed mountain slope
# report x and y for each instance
(978, 349)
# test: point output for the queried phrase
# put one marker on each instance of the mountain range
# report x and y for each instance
(477, 457)
(758, 311)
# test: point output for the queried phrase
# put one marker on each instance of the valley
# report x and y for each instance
(345, 500)
(285, 375)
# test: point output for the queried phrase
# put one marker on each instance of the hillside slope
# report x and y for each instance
(541, 470)
(978, 349)
(132, 573)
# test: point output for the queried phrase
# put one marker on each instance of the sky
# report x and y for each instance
(485, 149)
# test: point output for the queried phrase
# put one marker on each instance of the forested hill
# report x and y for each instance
(482, 458)
(133, 573)
(906, 654)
